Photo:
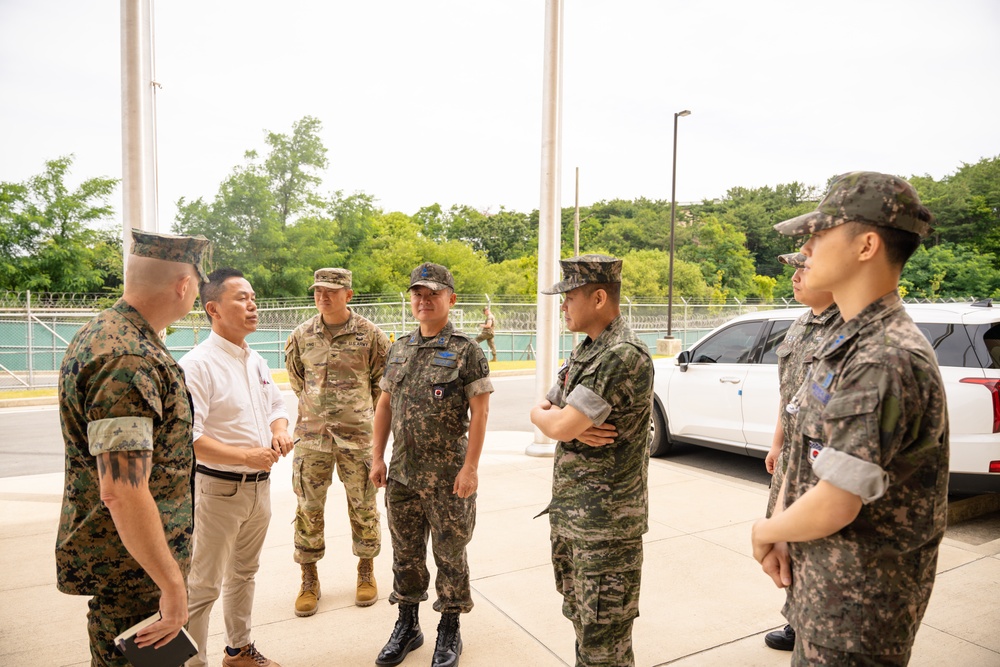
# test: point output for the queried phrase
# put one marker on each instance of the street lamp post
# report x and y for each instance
(673, 215)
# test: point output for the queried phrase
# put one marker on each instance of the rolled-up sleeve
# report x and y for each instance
(862, 478)
(589, 403)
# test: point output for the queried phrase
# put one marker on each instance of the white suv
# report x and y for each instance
(723, 392)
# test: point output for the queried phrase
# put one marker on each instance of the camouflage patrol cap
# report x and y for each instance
(796, 260)
(183, 249)
(430, 275)
(579, 271)
(868, 197)
(331, 279)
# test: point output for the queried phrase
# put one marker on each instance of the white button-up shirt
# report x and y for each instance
(235, 398)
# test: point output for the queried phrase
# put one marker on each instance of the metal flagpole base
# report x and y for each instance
(541, 449)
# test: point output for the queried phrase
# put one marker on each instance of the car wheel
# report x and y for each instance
(659, 440)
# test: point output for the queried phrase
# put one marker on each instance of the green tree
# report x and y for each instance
(951, 270)
(251, 219)
(719, 250)
(48, 239)
(647, 273)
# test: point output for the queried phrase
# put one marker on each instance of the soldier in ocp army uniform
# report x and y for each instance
(335, 361)
(127, 425)
(863, 506)
(599, 411)
(435, 400)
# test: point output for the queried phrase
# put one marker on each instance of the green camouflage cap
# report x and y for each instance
(864, 196)
(184, 249)
(430, 275)
(331, 279)
(796, 260)
(579, 271)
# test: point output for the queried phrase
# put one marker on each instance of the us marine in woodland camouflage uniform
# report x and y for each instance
(126, 422)
(794, 360)
(599, 411)
(435, 400)
(864, 501)
(335, 361)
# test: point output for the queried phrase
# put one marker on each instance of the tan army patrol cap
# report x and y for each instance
(868, 197)
(430, 275)
(578, 271)
(169, 248)
(331, 279)
(796, 260)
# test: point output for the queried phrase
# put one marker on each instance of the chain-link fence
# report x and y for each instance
(35, 329)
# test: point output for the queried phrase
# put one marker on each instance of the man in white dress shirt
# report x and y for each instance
(240, 431)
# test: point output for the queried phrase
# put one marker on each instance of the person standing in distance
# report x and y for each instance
(335, 361)
(794, 361)
(487, 333)
(863, 506)
(599, 410)
(240, 431)
(127, 512)
(435, 400)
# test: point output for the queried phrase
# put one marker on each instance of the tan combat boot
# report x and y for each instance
(367, 589)
(308, 599)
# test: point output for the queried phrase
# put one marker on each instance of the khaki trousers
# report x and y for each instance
(230, 523)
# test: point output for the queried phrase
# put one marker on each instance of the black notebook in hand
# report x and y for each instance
(176, 653)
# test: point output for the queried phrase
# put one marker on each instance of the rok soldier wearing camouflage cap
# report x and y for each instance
(435, 400)
(126, 422)
(863, 506)
(599, 411)
(794, 360)
(335, 361)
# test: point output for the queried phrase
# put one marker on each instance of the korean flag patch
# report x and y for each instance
(439, 392)
(815, 447)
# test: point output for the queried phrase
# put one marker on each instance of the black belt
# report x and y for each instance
(233, 476)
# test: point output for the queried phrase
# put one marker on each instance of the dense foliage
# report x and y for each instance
(272, 219)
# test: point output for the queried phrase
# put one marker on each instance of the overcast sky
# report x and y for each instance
(436, 101)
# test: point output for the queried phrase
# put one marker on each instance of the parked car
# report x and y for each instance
(723, 391)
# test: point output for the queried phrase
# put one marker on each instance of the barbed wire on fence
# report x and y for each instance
(36, 328)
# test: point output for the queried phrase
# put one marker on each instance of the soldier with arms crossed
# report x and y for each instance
(863, 506)
(599, 411)
(127, 512)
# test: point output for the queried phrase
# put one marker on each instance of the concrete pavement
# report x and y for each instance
(704, 599)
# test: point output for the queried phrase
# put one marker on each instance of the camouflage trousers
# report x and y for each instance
(487, 335)
(312, 474)
(806, 654)
(780, 468)
(599, 582)
(111, 614)
(449, 520)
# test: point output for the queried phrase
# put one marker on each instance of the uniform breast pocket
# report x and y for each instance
(395, 371)
(445, 385)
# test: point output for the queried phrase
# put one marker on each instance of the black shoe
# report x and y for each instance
(405, 637)
(449, 642)
(782, 640)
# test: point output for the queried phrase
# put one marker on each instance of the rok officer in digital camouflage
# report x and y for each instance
(125, 531)
(335, 361)
(794, 361)
(863, 506)
(435, 401)
(599, 410)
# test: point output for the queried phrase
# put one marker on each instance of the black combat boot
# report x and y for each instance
(405, 637)
(449, 642)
